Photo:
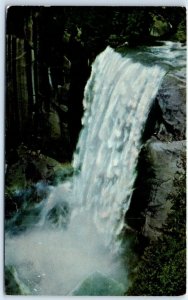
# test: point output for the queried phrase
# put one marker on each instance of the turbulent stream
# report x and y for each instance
(90, 207)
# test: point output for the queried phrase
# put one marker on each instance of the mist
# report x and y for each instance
(54, 260)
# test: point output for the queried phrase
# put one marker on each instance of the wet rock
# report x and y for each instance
(28, 179)
(15, 176)
(13, 285)
(33, 166)
(58, 216)
(160, 164)
(98, 284)
(172, 102)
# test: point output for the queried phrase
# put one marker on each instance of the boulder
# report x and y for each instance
(165, 161)
(160, 166)
(98, 284)
(171, 99)
(58, 216)
(13, 284)
(32, 166)
(25, 177)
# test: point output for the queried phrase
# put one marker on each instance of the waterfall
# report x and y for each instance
(52, 260)
(117, 100)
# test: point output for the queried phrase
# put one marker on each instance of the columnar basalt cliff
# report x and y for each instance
(39, 83)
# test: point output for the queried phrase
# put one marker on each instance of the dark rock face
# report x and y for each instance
(172, 102)
(150, 204)
(36, 106)
(23, 177)
(47, 69)
(31, 167)
(165, 161)
(79, 73)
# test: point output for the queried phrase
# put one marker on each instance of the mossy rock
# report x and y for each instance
(15, 178)
(62, 172)
(13, 285)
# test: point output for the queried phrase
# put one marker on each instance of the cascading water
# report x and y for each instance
(117, 100)
(52, 260)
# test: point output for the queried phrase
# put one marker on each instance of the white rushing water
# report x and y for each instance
(117, 100)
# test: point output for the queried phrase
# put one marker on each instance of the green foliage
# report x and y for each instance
(181, 32)
(138, 24)
(160, 26)
(162, 269)
(95, 25)
(133, 24)
(169, 23)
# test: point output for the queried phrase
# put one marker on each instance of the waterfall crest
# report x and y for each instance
(117, 101)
